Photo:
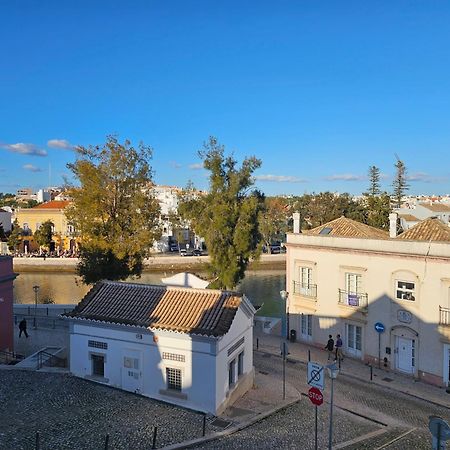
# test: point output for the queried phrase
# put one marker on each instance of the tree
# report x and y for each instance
(227, 216)
(113, 211)
(378, 209)
(374, 181)
(15, 237)
(273, 220)
(2, 233)
(399, 185)
(44, 235)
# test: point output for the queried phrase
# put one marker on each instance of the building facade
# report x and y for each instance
(30, 219)
(345, 277)
(190, 347)
(7, 277)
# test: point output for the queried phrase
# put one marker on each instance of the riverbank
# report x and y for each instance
(159, 263)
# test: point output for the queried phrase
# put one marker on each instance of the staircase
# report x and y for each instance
(47, 357)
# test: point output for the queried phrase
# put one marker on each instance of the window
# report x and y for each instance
(306, 326)
(98, 365)
(98, 344)
(353, 283)
(231, 373)
(173, 377)
(405, 290)
(25, 227)
(173, 357)
(240, 364)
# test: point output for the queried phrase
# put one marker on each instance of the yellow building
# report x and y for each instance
(30, 219)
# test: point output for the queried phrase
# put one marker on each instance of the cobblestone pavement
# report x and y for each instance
(71, 413)
(293, 428)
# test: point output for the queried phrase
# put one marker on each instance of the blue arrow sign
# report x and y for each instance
(379, 327)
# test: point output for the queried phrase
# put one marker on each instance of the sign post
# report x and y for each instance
(379, 328)
(316, 379)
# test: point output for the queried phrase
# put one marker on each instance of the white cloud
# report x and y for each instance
(345, 177)
(31, 168)
(425, 178)
(279, 178)
(175, 165)
(24, 149)
(196, 166)
(60, 143)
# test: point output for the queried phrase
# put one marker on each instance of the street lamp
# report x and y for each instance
(333, 371)
(36, 295)
(285, 296)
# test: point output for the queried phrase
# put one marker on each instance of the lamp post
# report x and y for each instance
(36, 295)
(333, 371)
(285, 296)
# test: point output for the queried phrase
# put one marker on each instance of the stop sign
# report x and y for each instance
(315, 396)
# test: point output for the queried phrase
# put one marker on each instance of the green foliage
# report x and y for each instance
(378, 209)
(274, 219)
(114, 212)
(399, 185)
(44, 235)
(15, 238)
(318, 209)
(2, 233)
(8, 199)
(227, 216)
(374, 181)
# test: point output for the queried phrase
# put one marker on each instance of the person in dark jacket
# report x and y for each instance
(330, 347)
(23, 328)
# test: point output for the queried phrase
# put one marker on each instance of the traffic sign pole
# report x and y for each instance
(315, 433)
(379, 350)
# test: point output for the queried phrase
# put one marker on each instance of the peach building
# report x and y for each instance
(348, 278)
(6, 303)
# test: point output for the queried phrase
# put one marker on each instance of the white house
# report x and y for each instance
(344, 277)
(190, 347)
(421, 211)
(185, 279)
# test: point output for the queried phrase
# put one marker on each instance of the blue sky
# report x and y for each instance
(318, 90)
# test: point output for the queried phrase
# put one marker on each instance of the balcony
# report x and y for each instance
(444, 316)
(305, 290)
(354, 299)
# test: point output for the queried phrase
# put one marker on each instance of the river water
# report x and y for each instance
(262, 287)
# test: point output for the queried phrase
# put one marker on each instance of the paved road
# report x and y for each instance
(292, 428)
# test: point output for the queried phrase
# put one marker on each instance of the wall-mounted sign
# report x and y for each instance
(404, 316)
(138, 336)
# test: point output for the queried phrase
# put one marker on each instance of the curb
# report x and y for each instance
(231, 430)
(356, 377)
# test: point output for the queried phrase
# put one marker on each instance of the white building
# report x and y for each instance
(344, 277)
(190, 347)
(421, 211)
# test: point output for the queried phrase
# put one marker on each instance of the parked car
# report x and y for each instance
(184, 252)
(173, 248)
(197, 252)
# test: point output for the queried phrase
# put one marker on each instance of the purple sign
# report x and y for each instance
(353, 299)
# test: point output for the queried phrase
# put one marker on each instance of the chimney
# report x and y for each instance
(296, 217)
(393, 225)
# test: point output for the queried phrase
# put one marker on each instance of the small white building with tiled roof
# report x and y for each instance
(344, 277)
(190, 347)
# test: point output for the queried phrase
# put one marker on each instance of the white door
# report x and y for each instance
(132, 371)
(306, 327)
(405, 354)
(354, 340)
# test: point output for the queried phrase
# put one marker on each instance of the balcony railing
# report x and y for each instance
(444, 316)
(307, 290)
(354, 299)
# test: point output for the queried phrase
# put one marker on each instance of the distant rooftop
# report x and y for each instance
(431, 229)
(344, 227)
(436, 207)
(54, 204)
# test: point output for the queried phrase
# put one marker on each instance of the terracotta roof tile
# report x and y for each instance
(194, 311)
(409, 217)
(54, 204)
(344, 227)
(436, 207)
(428, 230)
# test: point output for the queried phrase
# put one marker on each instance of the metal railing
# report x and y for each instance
(444, 316)
(354, 299)
(306, 290)
(49, 360)
(49, 323)
(10, 357)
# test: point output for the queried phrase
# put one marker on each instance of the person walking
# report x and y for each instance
(339, 354)
(330, 347)
(23, 328)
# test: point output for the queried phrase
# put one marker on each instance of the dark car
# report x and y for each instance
(173, 248)
(197, 252)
